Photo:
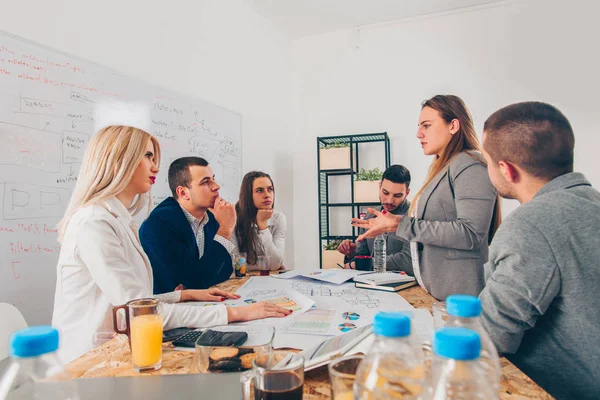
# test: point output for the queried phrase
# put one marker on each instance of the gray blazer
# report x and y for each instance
(454, 215)
(397, 249)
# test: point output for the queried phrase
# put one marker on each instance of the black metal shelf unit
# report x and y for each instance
(324, 205)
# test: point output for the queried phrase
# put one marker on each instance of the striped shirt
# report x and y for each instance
(198, 229)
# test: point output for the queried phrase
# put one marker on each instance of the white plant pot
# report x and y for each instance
(334, 158)
(366, 191)
(331, 258)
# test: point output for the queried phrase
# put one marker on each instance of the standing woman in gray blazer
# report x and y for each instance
(455, 214)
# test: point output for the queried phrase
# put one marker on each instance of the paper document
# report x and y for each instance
(333, 347)
(346, 296)
(335, 276)
(421, 331)
(288, 275)
(422, 324)
(317, 321)
(290, 300)
(286, 298)
(336, 343)
(334, 308)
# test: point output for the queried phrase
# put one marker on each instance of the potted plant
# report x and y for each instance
(366, 185)
(330, 256)
(335, 156)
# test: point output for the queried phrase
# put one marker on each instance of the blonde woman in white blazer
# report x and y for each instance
(102, 263)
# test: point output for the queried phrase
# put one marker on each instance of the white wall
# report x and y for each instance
(217, 50)
(531, 50)
(223, 52)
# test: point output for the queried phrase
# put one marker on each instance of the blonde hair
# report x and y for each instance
(452, 107)
(109, 163)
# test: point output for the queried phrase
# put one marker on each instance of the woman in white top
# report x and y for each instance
(102, 263)
(260, 230)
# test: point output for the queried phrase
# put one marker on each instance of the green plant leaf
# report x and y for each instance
(369, 175)
(337, 145)
(332, 245)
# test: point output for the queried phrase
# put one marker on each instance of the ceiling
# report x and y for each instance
(300, 18)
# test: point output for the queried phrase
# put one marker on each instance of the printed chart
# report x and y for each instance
(331, 309)
(285, 302)
(313, 322)
(352, 316)
(346, 327)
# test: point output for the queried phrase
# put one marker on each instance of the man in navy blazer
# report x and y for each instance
(189, 246)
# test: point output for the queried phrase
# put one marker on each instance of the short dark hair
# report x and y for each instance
(179, 172)
(397, 174)
(533, 135)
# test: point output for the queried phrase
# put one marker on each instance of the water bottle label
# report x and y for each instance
(379, 253)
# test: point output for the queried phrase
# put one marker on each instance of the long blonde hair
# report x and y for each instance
(452, 107)
(109, 162)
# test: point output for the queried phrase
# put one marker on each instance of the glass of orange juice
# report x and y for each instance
(144, 328)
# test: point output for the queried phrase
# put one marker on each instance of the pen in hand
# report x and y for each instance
(340, 265)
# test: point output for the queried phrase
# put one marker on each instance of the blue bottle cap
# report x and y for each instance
(242, 260)
(463, 305)
(457, 343)
(34, 341)
(391, 324)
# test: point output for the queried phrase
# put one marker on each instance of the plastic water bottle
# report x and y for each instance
(457, 373)
(465, 311)
(34, 360)
(240, 265)
(379, 254)
(393, 367)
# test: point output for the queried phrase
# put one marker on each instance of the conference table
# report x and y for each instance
(113, 359)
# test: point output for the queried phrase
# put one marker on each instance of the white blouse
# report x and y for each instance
(271, 240)
(101, 265)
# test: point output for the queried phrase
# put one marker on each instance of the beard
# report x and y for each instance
(504, 189)
(506, 195)
(386, 205)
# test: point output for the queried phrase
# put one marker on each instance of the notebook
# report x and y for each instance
(382, 278)
(388, 287)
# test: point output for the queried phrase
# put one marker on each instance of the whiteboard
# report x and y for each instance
(50, 106)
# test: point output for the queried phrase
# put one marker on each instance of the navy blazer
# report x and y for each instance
(170, 243)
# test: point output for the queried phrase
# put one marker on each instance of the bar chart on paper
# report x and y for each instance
(313, 322)
(286, 302)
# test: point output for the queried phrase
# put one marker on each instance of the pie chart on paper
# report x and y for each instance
(346, 327)
(352, 316)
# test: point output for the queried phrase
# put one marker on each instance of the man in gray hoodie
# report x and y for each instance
(543, 273)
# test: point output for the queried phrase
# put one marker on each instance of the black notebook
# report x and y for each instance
(388, 287)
